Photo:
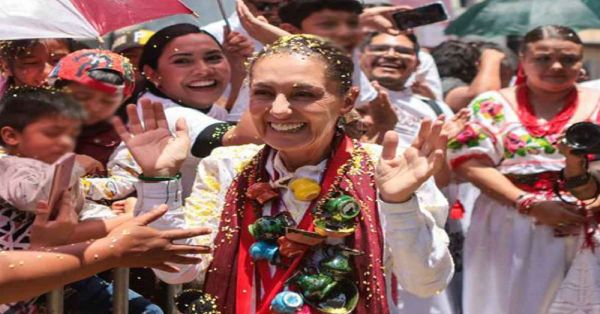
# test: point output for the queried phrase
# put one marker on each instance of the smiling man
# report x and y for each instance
(391, 60)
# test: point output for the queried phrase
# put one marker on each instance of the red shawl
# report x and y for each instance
(357, 182)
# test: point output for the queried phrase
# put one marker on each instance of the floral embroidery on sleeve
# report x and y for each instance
(521, 145)
(489, 109)
(467, 137)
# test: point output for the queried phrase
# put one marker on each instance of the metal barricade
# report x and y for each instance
(121, 291)
(55, 298)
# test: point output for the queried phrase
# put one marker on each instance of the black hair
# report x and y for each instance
(411, 36)
(550, 32)
(295, 11)
(455, 58)
(157, 43)
(22, 106)
(13, 49)
(510, 60)
(339, 66)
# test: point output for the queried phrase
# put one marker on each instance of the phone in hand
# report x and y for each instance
(63, 170)
(425, 15)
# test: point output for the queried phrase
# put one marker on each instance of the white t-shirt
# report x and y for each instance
(411, 109)
(595, 84)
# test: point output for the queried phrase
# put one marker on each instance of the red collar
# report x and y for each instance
(529, 119)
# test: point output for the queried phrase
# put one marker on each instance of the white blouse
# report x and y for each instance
(416, 247)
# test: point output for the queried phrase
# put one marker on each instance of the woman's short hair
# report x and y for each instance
(339, 66)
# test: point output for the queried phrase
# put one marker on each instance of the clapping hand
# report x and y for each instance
(158, 152)
(398, 177)
(379, 116)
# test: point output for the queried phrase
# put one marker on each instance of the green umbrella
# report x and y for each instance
(517, 17)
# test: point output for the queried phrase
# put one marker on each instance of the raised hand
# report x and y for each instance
(398, 177)
(257, 26)
(380, 18)
(48, 233)
(457, 123)
(379, 116)
(238, 48)
(158, 152)
(137, 245)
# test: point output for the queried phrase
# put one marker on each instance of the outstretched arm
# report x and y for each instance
(131, 245)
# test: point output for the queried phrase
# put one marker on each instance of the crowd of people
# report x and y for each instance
(304, 156)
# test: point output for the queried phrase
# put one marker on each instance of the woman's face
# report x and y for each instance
(552, 65)
(192, 69)
(293, 104)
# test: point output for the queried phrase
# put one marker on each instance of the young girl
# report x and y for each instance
(24, 62)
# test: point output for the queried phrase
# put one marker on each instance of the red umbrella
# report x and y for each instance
(21, 19)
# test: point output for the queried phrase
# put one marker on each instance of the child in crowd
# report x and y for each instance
(130, 45)
(24, 62)
(37, 127)
(100, 80)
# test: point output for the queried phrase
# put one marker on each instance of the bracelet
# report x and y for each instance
(576, 181)
(525, 201)
(159, 179)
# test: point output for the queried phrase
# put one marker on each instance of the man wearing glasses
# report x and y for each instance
(391, 61)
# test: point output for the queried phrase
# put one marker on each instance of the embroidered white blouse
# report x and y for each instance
(416, 247)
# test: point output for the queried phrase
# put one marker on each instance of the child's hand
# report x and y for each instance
(91, 165)
(49, 233)
(125, 206)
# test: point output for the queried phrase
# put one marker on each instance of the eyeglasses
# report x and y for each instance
(264, 6)
(383, 49)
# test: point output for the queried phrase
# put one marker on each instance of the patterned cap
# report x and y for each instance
(79, 65)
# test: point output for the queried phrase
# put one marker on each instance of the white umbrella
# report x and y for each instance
(21, 19)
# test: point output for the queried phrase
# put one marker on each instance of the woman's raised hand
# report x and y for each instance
(398, 177)
(158, 152)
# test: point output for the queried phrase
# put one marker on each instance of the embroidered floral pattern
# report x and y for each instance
(468, 137)
(489, 109)
(521, 145)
